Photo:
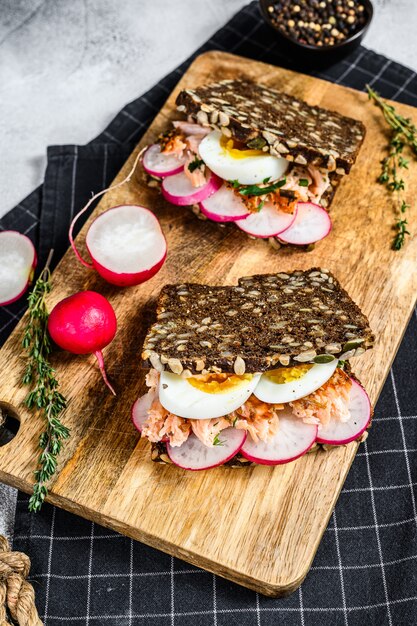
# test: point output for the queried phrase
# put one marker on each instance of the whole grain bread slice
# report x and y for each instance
(265, 321)
(267, 119)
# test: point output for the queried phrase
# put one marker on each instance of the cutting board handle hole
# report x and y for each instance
(9, 423)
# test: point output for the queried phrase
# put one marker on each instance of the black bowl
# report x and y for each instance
(309, 55)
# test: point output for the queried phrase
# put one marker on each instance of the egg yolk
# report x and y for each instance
(284, 375)
(231, 147)
(218, 383)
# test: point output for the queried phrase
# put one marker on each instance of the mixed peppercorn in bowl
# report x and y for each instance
(318, 30)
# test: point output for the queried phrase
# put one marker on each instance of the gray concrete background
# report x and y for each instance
(68, 66)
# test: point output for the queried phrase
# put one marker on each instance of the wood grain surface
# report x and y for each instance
(258, 526)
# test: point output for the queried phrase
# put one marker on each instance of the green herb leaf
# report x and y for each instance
(303, 182)
(217, 441)
(195, 164)
(256, 190)
(399, 239)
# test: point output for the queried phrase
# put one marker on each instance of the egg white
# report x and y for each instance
(247, 170)
(275, 393)
(180, 398)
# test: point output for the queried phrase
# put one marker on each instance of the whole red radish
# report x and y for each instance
(84, 323)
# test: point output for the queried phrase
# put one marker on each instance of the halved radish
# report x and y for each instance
(311, 224)
(17, 265)
(194, 455)
(127, 245)
(179, 190)
(268, 222)
(224, 206)
(293, 439)
(157, 164)
(339, 433)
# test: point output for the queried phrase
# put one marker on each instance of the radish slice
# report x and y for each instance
(311, 224)
(179, 190)
(157, 164)
(190, 128)
(140, 410)
(224, 206)
(127, 245)
(194, 455)
(141, 407)
(268, 222)
(293, 439)
(339, 433)
(17, 265)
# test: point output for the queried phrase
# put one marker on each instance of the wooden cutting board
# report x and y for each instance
(258, 526)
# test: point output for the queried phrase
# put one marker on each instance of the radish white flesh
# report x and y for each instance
(127, 245)
(17, 264)
(311, 224)
(293, 439)
(157, 164)
(339, 433)
(268, 222)
(224, 206)
(141, 407)
(179, 190)
(194, 455)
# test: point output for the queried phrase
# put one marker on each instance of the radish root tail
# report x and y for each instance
(99, 357)
(89, 203)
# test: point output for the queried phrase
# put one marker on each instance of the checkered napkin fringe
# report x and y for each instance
(365, 571)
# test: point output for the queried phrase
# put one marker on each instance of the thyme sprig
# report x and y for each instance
(44, 395)
(404, 133)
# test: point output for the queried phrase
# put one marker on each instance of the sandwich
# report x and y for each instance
(248, 154)
(258, 372)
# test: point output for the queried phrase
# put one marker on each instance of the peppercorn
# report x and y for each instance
(317, 22)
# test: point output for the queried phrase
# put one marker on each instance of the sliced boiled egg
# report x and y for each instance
(205, 397)
(246, 166)
(286, 384)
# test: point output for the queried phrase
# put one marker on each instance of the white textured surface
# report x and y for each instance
(67, 67)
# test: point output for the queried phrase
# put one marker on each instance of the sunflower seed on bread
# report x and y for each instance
(260, 116)
(278, 320)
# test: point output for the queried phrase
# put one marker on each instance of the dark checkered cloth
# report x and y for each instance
(365, 571)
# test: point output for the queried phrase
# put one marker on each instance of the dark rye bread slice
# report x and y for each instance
(276, 122)
(265, 321)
